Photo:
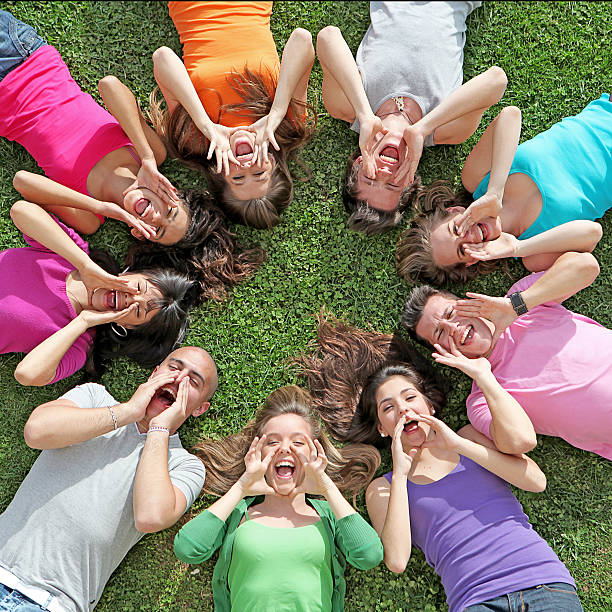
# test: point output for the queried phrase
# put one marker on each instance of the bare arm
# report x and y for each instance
(296, 64)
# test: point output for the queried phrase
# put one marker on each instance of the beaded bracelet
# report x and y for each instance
(112, 413)
(156, 428)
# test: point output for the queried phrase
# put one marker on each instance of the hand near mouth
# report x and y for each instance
(474, 368)
(487, 205)
(219, 137)
(97, 317)
(152, 179)
(498, 310)
(114, 211)
(402, 461)
(253, 481)
(414, 139)
(137, 405)
(94, 277)
(176, 413)
(504, 246)
(264, 130)
(371, 130)
(444, 438)
(315, 481)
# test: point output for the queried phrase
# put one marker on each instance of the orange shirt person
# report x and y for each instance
(231, 97)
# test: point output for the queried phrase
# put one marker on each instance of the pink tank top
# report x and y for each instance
(62, 127)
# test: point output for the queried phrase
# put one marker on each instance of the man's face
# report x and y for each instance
(189, 361)
(439, 322)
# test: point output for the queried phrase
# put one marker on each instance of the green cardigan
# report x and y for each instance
(352, 539)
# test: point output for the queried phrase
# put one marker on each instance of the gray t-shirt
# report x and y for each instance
(413, 50)
(71, 522)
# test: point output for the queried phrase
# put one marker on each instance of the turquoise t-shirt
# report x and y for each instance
(281, 570)
(571, 164)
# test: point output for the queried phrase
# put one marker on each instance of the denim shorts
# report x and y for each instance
(552, 597)
(17, 42)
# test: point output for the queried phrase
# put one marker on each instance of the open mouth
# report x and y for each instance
(467, 335)
(111, 300)
(141, 207)
(244, 150)
(284, 469)
(390, 154)
(484, 232)
(166, 396)
(411, 426)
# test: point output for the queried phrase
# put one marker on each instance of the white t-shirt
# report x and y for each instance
(71, 521)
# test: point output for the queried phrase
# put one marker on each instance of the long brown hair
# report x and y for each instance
(340, 362)
(189, 146)
(413, 254)
(351, 467)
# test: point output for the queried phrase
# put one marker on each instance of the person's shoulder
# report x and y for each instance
(90, 395)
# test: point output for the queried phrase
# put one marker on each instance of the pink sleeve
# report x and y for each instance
(524, 283)
(84, 246)
(478, 411)
(75, 357)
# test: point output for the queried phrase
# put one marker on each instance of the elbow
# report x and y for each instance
(18, 211)
(149, 521)
(594, 233)
(539, 483)
(519, 445)
(512, 112)
(162, 55)
(397, 566)
(586, 267)
(24, 376)
(20, 180)
(498, 82)
(34, 432)
(107, 83)
(325, 37)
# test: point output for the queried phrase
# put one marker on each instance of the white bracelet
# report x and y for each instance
(157, 428)
(112, 413)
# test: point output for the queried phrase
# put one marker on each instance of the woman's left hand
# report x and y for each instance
(150, 177)
(453, 358)
(114, 211)
(315, 480)
(94, 277)
(445, 439)
(504, 246)
(487, 205)
(264, 130)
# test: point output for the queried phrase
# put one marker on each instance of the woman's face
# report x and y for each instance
(248, 181)
(447, 247)
(104, 300)
(286, 436)
(396, 397)
(170, 223)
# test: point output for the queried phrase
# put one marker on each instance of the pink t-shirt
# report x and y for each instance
(34, 304)
(558, 365)
(62, 127)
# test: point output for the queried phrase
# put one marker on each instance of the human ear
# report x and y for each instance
(200, 410)
(137, 234)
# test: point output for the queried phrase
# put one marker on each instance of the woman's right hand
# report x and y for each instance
(506, 245)
(487, 205)
(219, 136)
(92, 318)
(94, 277)
(474, 368)
(402, 461)
(371, 130)
(114, 211)
(253, 481)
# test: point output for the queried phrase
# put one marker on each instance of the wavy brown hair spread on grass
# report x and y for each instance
(185, 142)
(364, 218)
(413, 255)
(351, 468)
(339, 364)
(208, 253)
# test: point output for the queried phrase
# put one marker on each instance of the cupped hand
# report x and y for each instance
(219, 136)
(402, 460)
(444, 438)
(264, 130)
(487, 205)
(498, 310)
(453, 358)
(94, 277)
(371, 130)
(253, 481)
(114, 211)
(176, 414)
(315, 481)
(137, 404)
(506, 245)
(101, 317)
(150, 177)
(415, 140)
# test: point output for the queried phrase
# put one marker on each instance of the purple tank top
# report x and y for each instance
(477, 538)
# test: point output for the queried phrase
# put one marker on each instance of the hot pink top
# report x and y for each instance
(34, 303)
(62, 127)
(558, 365)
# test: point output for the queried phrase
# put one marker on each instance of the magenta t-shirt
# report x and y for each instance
(62, 127)
(558, 365)
(34, 304)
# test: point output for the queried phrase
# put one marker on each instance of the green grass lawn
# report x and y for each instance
(557, 57)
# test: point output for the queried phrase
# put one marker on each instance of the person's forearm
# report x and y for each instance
(224, 506)
(481, 92)
(296, 65)
(45, 192)
(121, 102)
(520, 471)
(337, 502)
(57, 424)
(37, 223)
(173, 79)
(580, 236)
(336, 57)
(154, 495)
(395, 534)
(570, 273)
(511, 428)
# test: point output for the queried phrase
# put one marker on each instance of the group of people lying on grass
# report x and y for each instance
(233, 111)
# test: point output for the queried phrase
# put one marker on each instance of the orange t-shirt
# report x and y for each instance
(221, 37)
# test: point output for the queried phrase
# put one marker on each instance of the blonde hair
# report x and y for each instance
(351, 468)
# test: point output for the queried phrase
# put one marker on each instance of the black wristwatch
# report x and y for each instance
(518, 303)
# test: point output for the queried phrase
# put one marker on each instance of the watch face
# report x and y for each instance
(516, 299)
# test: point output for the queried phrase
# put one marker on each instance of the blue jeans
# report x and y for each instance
(17, 42)
(551, 597)
(14, 601)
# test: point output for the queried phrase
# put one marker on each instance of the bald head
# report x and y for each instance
(196, 363)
